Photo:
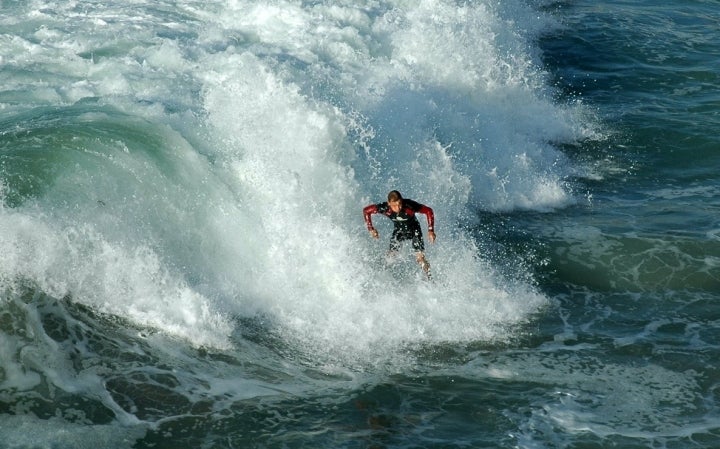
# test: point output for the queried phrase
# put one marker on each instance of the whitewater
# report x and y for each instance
(212, 164)
(184, 261)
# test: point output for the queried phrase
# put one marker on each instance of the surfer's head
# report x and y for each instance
(394, 195)
(395, 201)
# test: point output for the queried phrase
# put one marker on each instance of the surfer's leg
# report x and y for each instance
(390, 258)
(394, 245)
(391, 255)
(424, 264)
(419, 247)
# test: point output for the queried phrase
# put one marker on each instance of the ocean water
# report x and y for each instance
(184, 264)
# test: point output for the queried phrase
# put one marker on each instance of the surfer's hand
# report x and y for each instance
(431, 235)
(374, 233)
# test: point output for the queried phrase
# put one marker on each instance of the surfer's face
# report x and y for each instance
(395, 205)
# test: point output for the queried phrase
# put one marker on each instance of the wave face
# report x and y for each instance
(181, 167)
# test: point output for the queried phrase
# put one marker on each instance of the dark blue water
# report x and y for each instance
(183, 261)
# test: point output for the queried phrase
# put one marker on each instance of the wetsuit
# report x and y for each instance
(407, 226)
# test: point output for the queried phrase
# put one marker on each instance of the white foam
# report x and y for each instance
(28, 431)
(287, 119)
(593, 395)
(317, 276)
(130, 282)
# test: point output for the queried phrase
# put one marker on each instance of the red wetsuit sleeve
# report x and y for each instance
(368, 211)
(429, 215)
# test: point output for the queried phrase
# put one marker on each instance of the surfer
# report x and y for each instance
(407, 227)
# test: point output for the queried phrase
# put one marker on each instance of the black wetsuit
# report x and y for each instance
(406, 224)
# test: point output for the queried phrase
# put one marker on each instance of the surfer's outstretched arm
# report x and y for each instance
(368, 211)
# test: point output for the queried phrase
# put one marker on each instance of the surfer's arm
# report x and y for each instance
(428, 212)
(368, 211)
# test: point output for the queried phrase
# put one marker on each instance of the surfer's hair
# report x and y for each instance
(394, 195)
